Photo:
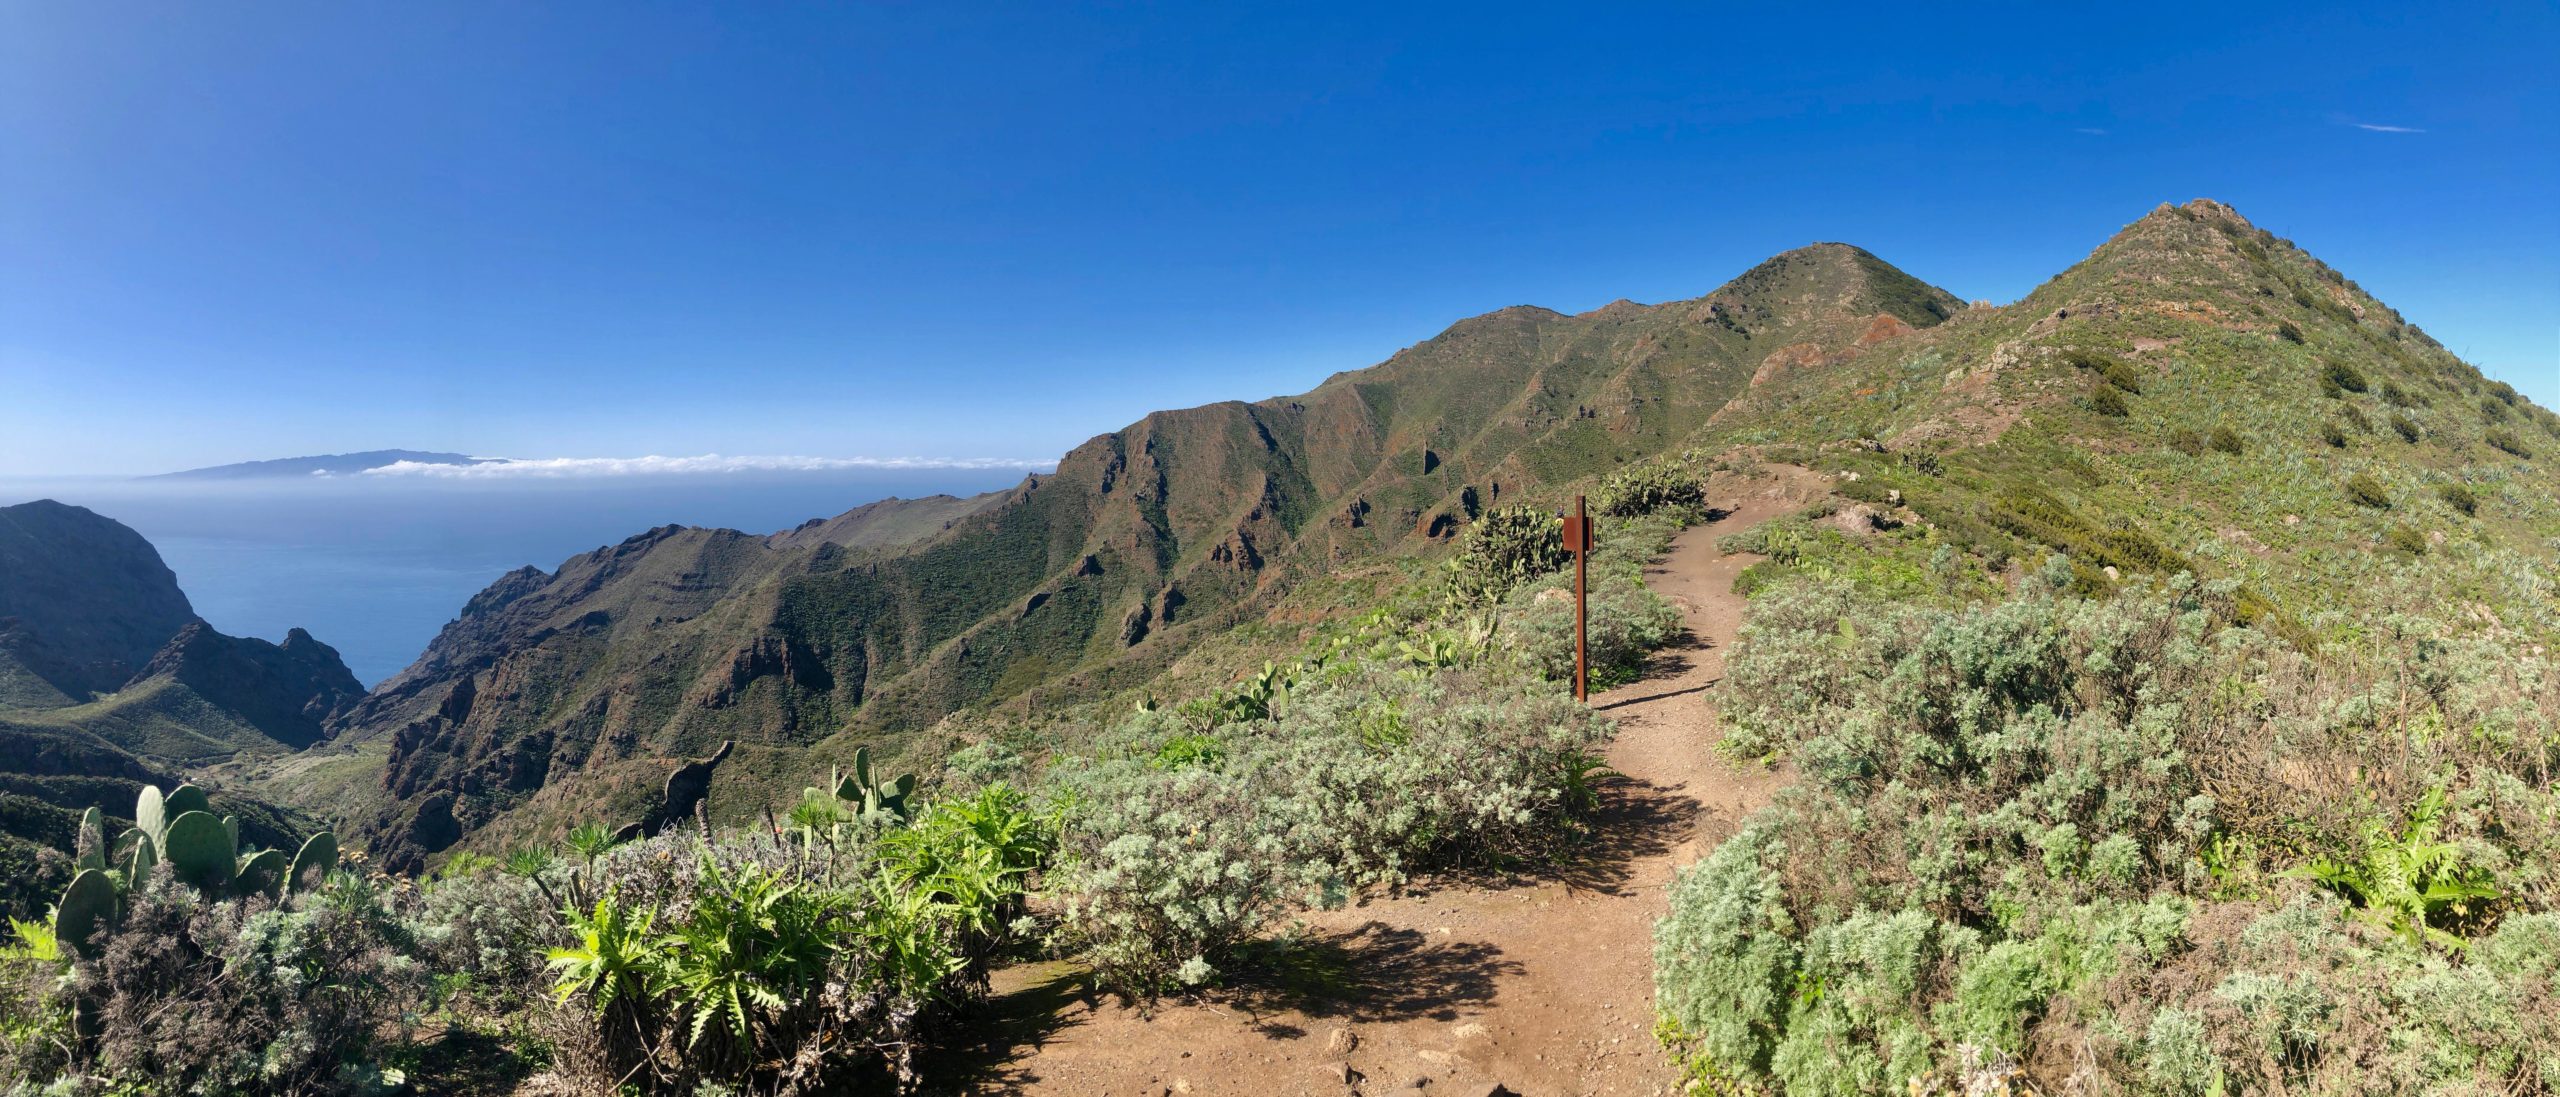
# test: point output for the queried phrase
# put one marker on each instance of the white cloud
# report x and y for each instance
(2375, 128)
(2092, 131)
(509, 468)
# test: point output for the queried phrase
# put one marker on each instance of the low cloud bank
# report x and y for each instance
(508, 468)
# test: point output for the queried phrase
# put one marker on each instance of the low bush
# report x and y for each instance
(2116, 372)
(2343, 376)
(1507, 547)
(1626, 622)
(2110, 403)
(191, 993)
(2506, 442)
(2458, 497)
(1369, 774)
(2405, 540)
(2405, 427)
(1647, 488)
(2226, 440)
(2334, 435)
(485, 933)
(2364, 490)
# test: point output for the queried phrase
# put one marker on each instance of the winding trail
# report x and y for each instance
(1543, 985)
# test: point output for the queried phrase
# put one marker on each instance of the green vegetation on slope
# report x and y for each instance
(2184, 730)
(556, 688)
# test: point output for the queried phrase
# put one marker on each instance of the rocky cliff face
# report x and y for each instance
(678, 640)
(289, 692)
(84, 600)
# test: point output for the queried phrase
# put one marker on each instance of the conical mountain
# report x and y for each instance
(2195, 395)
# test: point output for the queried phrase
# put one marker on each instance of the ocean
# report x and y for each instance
(375, 568)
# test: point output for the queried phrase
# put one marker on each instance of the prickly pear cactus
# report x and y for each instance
(91, 848)
(151, 814)
(138, 863)
(199, 849)
(186, 798)
(261, 873)
(312, 866)
(90, 902)
(875, 798)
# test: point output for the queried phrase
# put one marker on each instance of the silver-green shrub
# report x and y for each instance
(1627, 621)
(307, 993)
(2091, 833)
(1370, 772)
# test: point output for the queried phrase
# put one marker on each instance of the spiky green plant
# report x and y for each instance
(615, 960)
(590, 841)
(751, 935)
(2409, 878)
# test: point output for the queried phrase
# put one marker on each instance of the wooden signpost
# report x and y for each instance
(1577, 540)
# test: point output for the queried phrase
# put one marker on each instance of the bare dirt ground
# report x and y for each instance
(1542, 985)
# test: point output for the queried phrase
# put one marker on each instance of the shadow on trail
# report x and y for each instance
(995, 1043)
(1701, 687)
(1637, 820)
(1374, 973)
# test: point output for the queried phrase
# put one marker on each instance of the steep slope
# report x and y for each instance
(887, 523)
(2196, 395)
(84, 601)
(678, 640)
(109, 680)
(285, 693)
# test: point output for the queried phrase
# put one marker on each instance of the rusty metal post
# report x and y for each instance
(1581, 604)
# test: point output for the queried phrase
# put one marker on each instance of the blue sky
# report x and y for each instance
(615, 229)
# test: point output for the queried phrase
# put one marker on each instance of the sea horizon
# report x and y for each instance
(375, 566)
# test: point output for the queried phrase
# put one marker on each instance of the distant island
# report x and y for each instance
(333, 464)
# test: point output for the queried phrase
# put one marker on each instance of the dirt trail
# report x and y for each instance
(1544, 986)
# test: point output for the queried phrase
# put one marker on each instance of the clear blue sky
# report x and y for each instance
(231, 231)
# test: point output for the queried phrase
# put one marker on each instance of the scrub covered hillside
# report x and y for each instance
(2189, 727)
(2159, 675)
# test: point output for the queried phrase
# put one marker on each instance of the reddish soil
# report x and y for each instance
(1543, 985)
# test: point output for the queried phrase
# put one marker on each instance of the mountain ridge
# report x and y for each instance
(1182, 522)
(1148, 539)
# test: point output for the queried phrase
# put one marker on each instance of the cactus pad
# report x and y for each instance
(312, 866)
(90, 902)
(199, 850)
